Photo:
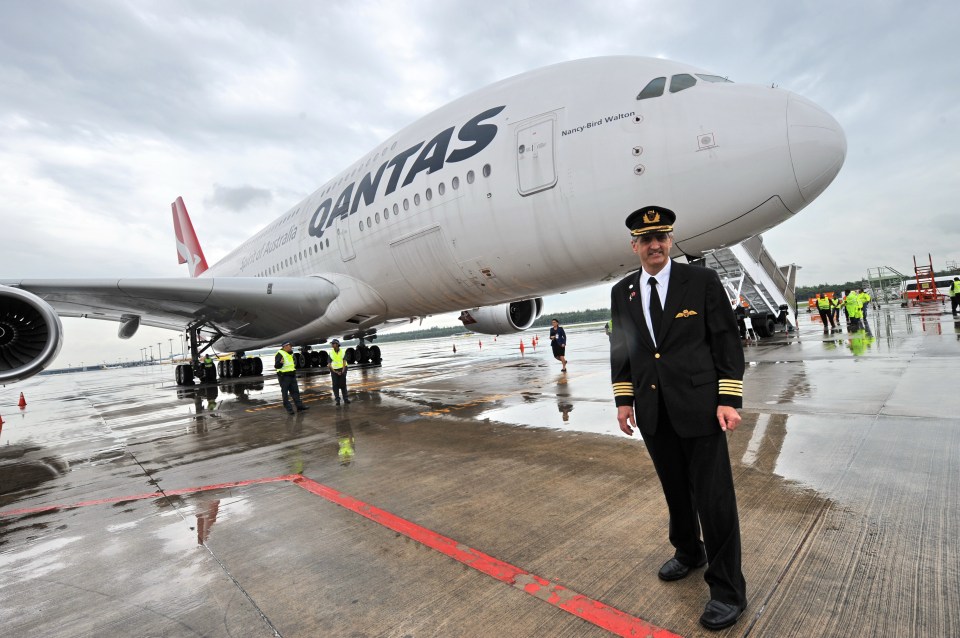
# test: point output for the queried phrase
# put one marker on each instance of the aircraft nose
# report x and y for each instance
(817, 146)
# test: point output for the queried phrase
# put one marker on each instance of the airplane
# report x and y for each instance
(513, 192)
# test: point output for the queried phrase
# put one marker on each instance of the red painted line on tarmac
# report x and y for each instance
(595, 612)
(140, 497)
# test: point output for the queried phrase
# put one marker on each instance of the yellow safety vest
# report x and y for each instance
(289, 363)
(853, 306)
(823, 303)
(207, 362)
(955, 288)
(336, 359)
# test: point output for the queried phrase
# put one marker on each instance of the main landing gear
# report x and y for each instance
(363, 354)
(240, 366)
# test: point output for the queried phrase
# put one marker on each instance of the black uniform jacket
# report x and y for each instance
(698, 363)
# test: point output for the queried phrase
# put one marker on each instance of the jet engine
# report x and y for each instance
(506, 318)
(30, 334)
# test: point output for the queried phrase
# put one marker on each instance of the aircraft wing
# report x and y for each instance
(244, 308)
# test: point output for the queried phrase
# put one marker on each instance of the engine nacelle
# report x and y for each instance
(507, 318)
(30, 334)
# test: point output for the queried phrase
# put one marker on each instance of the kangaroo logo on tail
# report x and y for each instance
(188, 246)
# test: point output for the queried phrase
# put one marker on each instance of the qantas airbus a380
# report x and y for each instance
(513, 192)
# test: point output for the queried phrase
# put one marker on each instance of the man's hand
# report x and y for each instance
(728, 417)
(626, 418)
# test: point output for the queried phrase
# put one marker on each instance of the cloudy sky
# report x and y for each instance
(109, 110)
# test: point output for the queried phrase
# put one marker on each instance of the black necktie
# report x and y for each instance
(656, 308)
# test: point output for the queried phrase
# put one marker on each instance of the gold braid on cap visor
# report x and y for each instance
(651, 229)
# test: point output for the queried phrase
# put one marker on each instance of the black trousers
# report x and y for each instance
(955, 303)
(288, 387)
(826, 315)
(698, 485)
(339, 384)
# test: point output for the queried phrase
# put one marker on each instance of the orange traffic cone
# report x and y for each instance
(23, 402)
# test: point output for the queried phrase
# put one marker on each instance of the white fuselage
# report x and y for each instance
(521, 189)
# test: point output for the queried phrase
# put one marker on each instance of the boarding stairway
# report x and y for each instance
(749, 274)
(885, 283)
(926, 282)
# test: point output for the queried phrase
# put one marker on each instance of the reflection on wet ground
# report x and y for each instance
(187, 521)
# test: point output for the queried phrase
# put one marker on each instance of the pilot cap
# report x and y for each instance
(651, 219)
(334, 341)
(286, 343)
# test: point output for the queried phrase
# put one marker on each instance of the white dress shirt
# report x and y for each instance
(663, 281)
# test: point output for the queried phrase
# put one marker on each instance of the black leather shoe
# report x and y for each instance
(718, 615)
(303, 407)
(673, 569)
(346, 401)
(290, 411)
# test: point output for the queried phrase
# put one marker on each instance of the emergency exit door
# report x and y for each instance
(536, 161)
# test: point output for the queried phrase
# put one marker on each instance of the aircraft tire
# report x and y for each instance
(298, 360)
(375, 355)
(762, 324)
(258, 366)
(350, 356)
(324, 359)
(178, 375)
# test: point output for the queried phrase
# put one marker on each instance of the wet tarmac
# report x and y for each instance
(480, 493)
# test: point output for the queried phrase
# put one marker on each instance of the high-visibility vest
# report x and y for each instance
(853, 306)
(336, 359)
(823, 303)
(864, 298)
(955, 288)
(207, 362)
(836, 302)
(289, 364)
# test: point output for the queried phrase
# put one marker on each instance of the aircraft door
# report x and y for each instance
(536, 162)
(344, 240)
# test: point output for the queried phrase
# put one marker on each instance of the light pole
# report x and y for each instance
(159, 353)
(151, 354)
(171, 349)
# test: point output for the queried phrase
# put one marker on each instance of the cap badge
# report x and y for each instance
(651, 217)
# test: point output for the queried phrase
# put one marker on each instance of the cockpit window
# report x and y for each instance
(712, 78)
(681, 81)
(653, 89)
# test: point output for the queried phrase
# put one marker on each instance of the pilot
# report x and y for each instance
(287, 374)
(677, 370)
(338, 372)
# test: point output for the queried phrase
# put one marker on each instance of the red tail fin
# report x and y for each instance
(188, 246)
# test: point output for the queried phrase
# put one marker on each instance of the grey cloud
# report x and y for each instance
(239, 198)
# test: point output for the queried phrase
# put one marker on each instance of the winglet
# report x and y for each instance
(188, 246)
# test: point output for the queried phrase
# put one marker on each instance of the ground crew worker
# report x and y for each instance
(338, 372)
(826, 313)
(608, 328)
(286, 367)
(864, 297)
(209, 369)
(835, 304)
(852, 303)
(955, 295)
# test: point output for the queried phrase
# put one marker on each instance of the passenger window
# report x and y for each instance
(416, 199)
(681, 81)
(441, 188)
(654, 88)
